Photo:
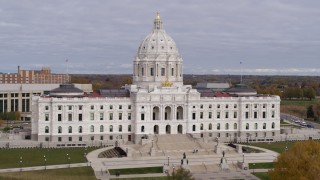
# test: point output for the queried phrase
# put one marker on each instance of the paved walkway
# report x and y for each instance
(36, 168)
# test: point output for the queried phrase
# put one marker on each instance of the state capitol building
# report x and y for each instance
(157, 102)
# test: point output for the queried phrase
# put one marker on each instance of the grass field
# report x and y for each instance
(145, 170)
(145, 178)
(10, 158)
(81, 173)
(275, 146)
(265, 165)
(261, 175)
(305, 103)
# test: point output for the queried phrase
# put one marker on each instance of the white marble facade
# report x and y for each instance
(159, 103)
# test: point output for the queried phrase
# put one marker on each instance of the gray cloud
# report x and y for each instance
(212, 36)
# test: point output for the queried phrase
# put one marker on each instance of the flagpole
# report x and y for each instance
(241, 72)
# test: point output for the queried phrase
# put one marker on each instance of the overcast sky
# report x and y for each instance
(269, 37)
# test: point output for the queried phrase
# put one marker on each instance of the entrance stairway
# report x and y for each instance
(176, 142)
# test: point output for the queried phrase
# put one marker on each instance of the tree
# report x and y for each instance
(309, 93)
(316, 110)
(181, 174)
(302, 161)
(310, 113)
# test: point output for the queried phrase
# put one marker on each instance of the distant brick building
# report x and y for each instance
(43, 76)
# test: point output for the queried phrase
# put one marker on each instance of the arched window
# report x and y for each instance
(201, 126)
(273, 125)
(46, 129)
(255, 125)
(218, 126)
(91, 128)
(69, 129)
(80, 129)
(142, 128)
(59, 129)
(101, 128)
(111, 128)
(120, 128)
(247, 126)
(194, 128)
(235, 126)
(264, 125)
(227, 126)
(210, 126)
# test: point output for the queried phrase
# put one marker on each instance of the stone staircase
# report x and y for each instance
(176, 142)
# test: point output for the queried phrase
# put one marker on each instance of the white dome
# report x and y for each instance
(158, 62)
(158, 42)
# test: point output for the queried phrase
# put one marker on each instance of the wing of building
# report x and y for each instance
(156, 103)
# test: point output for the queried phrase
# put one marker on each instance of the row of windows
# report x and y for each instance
(235, 126)
(92, 129)
(234, 115)
(226, 106)
(92, 107)
(80, 138)
(92, 117)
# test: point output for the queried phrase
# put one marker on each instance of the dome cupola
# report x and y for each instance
(158, 61)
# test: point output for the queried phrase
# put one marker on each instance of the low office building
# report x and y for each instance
(17, 97)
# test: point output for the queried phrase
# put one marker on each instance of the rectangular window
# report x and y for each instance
(142, 116)
(218, 115)
(129, 106)
(120, 106)
(247, 115)
(111, 106)
(70, 138)
(80, 117)
(59, 117)
(272, 114)
(120, 116)
(80, 107)
(101, 116)
(59, 108)
(111, 116)
(101, 107)
(263, 114)
(47, 108)
(218, 106)
(163, 71)
(142, 71)
(69, 117)
(129, 128)
(110, 137)
(247, 106)
(101, 138)
(255, 114)
(70, 107)
(129, 116)
(235, 106)
(193, 116)
(91, 116)
(92, 107)
(172, 72)
(210, 115)
(235, 115)
(80, 138)
(59, 139)
(272, 105)
(46, 117)
(151, 72)
(264, 106)
(227, 115)
(201, 115)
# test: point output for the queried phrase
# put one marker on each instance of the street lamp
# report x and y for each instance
(253, 167)
(45, 162)
(69, 161)
(20, 163)
(168, 160)
(173, 170)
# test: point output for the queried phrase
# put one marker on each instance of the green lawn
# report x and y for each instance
(10, 158)
(80, 173)
(145, 178)
(305, 103)
(145, 170)
(265, 165)
(261, 175)
(275, 146)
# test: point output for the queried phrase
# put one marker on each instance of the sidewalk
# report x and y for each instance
(37, 168)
